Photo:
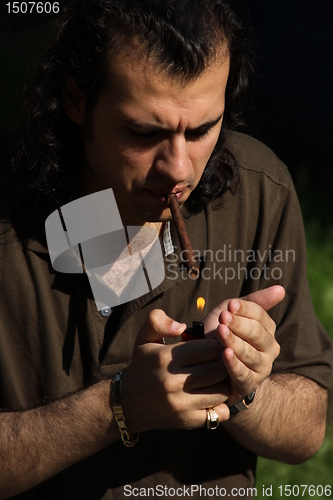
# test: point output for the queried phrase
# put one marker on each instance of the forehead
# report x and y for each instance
(136, 83)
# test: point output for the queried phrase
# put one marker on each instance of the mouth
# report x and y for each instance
(163, 197)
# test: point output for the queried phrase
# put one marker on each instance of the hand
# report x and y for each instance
(247, 332)
(170, 386)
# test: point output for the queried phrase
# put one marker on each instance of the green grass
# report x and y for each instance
(316, 471)
(319, 469)
(320, 273)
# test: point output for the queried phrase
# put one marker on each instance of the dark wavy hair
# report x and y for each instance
(182, 35)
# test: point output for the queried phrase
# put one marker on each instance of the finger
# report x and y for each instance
(259, 333)
(222, 411)
(267, 298)
(213, 395)
(210, 399)
(247, 354)
(157, 326)
(249, 311)
(190, 405)
(199, 417)
(196, 352)
(204, 376)
(258, 361)
(214, 313)
(242, 379)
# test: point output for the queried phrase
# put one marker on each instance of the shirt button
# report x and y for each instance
(105, 311)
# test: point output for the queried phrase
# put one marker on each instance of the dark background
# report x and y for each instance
(294, 102)
(295, 95)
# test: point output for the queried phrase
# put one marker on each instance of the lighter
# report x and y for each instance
(196, 331)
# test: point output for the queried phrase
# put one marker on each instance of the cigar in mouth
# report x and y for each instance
(185, 242)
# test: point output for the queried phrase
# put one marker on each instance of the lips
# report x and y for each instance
(163, 197)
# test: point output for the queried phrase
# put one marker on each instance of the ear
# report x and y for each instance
(75, 102)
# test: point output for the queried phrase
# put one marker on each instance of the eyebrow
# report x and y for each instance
(149, 128)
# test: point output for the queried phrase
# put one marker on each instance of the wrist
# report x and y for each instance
(242, 405)
(129, 440)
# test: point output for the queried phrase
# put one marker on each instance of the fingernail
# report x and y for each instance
(228, 318)
(175, 326)
(236, 306)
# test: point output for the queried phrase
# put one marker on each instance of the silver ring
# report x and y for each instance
(212, 419)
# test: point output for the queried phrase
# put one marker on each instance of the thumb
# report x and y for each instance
(157, 326)
(267, 298)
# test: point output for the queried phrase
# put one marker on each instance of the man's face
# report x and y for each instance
(152, 135)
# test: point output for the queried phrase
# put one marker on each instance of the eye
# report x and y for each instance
(142, 135)
(195, 135)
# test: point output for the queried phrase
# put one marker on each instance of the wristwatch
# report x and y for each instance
(243, 405)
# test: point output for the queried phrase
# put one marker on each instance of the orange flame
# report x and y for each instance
(201, 304)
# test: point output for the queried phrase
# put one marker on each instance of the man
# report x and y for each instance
(138, 96)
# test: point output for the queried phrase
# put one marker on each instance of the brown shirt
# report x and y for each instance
(53, 340)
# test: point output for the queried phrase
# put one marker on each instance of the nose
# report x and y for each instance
(173, 160)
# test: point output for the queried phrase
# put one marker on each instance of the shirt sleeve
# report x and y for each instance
(306, 348)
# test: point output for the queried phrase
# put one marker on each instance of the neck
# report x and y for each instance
(158, 226)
